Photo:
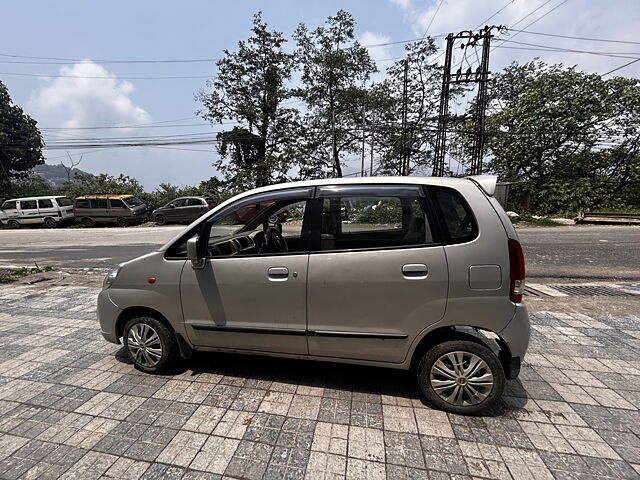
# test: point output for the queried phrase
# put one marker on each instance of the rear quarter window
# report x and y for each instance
(455, 215)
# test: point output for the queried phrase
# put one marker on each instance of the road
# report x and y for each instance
(573, 252)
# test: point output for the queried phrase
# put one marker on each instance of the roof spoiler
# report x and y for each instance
(486, 182)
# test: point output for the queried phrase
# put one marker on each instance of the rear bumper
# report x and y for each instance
(108, 313)
(516, 336)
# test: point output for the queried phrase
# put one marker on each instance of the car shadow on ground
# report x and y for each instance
(343, 379)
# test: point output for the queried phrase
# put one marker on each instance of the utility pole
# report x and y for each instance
(373, 126)
(479, 76)
(403, 168)
(363, 135)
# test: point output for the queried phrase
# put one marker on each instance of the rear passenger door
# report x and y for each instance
(376, 275)
(29, 210)
(99, 209)
(47, 208)
(195, 208)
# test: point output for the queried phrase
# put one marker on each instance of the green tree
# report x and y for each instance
(249, 88)
(101, 184)
(569, 138)
(20, 142)
(335, 68)
(424, 79)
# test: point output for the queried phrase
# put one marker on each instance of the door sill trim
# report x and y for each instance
(268, 331)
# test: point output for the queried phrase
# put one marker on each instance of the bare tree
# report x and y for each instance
(74, 164)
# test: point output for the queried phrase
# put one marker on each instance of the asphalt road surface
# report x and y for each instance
(573, 252)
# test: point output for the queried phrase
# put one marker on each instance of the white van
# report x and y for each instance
(48, 211)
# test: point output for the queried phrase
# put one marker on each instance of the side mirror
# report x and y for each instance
(197, 262)
(171, 205)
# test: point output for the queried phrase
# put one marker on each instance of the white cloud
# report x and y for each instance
(81, 102)
(403, 4)
(380, 53)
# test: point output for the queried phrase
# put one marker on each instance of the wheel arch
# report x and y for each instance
(487, 338)
(133, 312)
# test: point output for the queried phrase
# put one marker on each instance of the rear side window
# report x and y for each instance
(45, 203)
(82, 203)
(64, 201)
(194, 202)
(98, 203)
(363, 222)
(9, 205)
(456, 216)
(28, 204)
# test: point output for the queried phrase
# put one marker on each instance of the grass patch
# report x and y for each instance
(538, 222)
(12, 276)
(632, 210)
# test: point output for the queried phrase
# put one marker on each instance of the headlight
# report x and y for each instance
(108, 280)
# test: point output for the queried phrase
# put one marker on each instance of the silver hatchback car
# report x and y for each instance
(400, 272)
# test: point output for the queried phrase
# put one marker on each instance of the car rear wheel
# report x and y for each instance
(160, 219)
(461, 376)
(151, 346)
(50, 223)
(122, 222)
(14, 224)
(87, 222)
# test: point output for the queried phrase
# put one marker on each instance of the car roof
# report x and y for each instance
(483, 181)
(103, 196)
(34, 198)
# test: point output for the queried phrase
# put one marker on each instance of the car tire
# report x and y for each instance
(122, 222)
(87, 222)
(14, 224)
(469, 390)
(160, 219)
(50, 222)
(151, 346)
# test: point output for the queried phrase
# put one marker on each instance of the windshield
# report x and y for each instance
(132, 201)
(64, 201)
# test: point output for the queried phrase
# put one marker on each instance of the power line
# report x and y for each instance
(621, 67)
(432, 19)
(576, 38)
(106, 78)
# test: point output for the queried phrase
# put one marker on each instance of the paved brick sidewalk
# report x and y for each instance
(71, 406)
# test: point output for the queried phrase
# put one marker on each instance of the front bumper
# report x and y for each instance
(108, 313)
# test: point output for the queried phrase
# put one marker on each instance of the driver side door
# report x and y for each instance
(248, 297)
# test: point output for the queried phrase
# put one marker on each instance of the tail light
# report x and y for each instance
(210, 206)
(516, 271)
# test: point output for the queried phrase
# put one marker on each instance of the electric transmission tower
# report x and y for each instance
(470, 40)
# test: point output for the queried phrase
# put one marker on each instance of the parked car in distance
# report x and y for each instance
(49, 211)
(182, 210)
(123, 210)
(424, 274)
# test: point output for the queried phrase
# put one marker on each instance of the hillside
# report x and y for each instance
(55, 174)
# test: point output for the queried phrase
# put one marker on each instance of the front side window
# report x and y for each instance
(9, 205)
(45, 203)
(83, 203)
(271, 224)
(115, 203)
(181, 202)
(28, 204)
(363, 222)
(64, 201)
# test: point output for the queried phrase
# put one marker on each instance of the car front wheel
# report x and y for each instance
(461, 376)
(151, 346)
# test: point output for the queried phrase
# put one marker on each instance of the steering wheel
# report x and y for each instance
(275, 242)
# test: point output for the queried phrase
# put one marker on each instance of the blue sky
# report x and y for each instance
(118, 30)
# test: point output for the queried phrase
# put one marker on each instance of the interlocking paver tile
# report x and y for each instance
(73, 406)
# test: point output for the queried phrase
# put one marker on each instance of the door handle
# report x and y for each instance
(415, 270)
(278, 273)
